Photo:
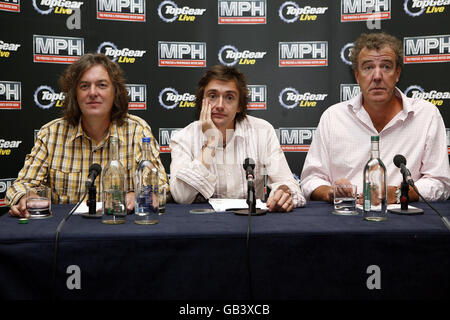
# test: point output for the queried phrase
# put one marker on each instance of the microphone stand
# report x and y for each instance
(58, 231)
(92, 204)
(404, 201)
(444, 219)
(251, 201)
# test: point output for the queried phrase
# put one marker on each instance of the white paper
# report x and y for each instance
(220, 205)
(83, 208)
(389, 207)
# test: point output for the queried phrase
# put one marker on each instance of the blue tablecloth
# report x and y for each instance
(306, 254)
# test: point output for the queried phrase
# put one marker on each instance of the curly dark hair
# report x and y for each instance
(72, 75)
(224, 73)
(377, 41)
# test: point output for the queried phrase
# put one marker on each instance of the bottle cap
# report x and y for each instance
(146, 139)
(374, 138)
(23, 220)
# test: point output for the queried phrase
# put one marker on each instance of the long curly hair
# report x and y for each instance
(70, 78)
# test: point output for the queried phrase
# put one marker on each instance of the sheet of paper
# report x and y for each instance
(220, 205)
(83, 208)
(389, 207)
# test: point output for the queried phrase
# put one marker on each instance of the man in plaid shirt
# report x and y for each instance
(95, 108)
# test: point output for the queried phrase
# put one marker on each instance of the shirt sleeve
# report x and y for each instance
(188, 176)
(316, 169)
(34, 171)
(278, 170)
(434, 183)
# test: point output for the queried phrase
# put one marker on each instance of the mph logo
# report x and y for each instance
(10, 95)
(447, 130)
(303, 54)
(426, 49)
(349, 91)
(242, 12)
(138, 96)
(55, 49)
(5, 183)
(168, 11)
(296, 139)
(121, 10)
(10, 5)
(181, 54)
(415, 8)
(290, 12)
(290, 98)
(229, 56)
(363, 10)
(257, 97)
(45, 97)
(169, 98)
(165, 135)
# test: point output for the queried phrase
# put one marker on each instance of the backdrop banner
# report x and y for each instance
(295, 55)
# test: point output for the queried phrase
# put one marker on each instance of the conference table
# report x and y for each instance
(307, 254)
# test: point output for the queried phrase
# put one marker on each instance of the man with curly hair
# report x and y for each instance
(409, 126)
(95, 108)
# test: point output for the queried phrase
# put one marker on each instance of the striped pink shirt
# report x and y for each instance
(341, 147)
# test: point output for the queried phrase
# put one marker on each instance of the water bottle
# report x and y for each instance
(374, 189)
(114, 187)
(146, 184)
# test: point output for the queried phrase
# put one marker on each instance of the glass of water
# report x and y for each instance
(345, 197)
(38, 202)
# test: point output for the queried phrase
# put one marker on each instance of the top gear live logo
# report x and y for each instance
(229, 56)
(45, 7)
(415, 8)
(290, 12)
(169, 11)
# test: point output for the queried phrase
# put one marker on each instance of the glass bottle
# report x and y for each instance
(374, 189)
(114, 187)
(146, 185)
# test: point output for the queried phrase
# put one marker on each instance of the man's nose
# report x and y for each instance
(377, 73)
(93, 90)
(219, 102)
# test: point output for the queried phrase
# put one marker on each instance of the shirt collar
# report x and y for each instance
(356, 103)
(114, 130)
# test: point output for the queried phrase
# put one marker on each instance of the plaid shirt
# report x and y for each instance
(63, 153)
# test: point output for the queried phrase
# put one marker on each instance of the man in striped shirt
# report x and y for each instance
(95, 109)
(208, 154)
(409, 126)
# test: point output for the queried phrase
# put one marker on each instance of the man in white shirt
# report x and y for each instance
(407, 126)
(208, 154)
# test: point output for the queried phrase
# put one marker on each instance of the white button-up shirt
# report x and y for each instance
(253, 138)
(341, 147)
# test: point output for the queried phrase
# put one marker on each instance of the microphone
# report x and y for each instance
(94, 170)
(400, 162)
(404, 209)
(249, 165)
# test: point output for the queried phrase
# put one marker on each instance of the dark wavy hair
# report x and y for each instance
(224, 73)
(71, 76)
(377, 41)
